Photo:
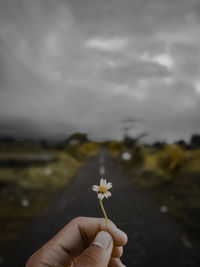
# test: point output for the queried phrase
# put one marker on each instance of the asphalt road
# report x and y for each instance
(154, 239)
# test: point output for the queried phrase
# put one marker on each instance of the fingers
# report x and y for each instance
(98, 253)
(80, 232)
(115, 263)
(75, 237)
(117, 252)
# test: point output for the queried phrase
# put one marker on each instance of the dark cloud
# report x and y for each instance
(87, 65)
(35, 128)
(138, 16)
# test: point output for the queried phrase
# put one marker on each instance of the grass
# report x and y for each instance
(27, 186)
(171, 175)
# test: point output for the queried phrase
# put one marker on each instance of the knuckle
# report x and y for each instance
(91, 259)
(33, 260)
(29, 262)
(102, 222)
(77, 219)
(110, 222)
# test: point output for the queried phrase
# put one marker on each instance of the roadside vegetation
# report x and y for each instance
(170, 173)
(30, 176)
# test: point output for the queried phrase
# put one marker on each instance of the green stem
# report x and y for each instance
(104, 213)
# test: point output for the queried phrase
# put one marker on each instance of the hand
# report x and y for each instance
(83, 242)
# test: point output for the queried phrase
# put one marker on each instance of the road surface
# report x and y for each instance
(154, 239)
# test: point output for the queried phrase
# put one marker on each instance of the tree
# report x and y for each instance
(195, 141)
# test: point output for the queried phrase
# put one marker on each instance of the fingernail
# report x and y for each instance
(103, 239)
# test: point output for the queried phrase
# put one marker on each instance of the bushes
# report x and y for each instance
(171, 175)
(27, 187)
(171, 159)
(116, 148)
(83, 151)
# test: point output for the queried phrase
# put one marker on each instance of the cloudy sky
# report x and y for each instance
(89, 65)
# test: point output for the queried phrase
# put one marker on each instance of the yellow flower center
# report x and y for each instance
(102, 189)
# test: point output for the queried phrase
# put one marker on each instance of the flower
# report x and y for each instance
(102, 189)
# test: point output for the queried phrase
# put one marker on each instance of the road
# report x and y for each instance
(154, 239)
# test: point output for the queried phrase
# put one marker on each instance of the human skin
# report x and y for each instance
(83, 242)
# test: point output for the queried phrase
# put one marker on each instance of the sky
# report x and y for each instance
(93, 65)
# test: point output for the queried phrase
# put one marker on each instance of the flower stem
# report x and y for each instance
(104, 213)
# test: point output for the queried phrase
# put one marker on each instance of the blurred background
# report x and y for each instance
(76, 74)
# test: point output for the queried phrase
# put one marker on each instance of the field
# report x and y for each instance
(30, 176)
(171, 175)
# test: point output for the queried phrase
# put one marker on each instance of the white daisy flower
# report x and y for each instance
(102, 189)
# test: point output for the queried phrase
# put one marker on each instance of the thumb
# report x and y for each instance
(99, 252)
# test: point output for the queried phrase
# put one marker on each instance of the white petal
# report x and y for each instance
(109, 185)
(101, 181)
(95, 188)
(101, 196)
(107, 194)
